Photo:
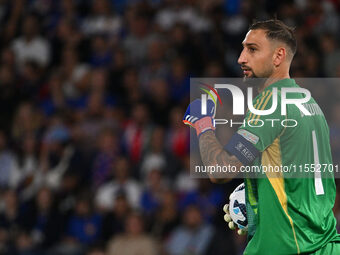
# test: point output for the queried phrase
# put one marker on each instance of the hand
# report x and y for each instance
(230, 222)
(194, 118)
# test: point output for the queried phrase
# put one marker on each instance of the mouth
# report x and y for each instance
(246, 70)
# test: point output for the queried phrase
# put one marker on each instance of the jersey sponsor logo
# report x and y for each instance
(248, 136)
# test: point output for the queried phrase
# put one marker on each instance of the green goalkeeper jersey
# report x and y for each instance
(289, 211)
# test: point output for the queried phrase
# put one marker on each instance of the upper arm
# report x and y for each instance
(258, 133)
(262, 130)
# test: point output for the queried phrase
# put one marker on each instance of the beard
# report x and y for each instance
(248, 69)
(253, 75)
(253, 81)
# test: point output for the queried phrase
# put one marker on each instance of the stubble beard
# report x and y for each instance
(257, 83)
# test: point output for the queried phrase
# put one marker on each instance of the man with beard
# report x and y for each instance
(286, 214)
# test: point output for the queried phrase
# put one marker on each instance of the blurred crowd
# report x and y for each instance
(94, 158)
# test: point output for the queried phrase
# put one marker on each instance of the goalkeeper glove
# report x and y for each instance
(230, 222)
(194, 118)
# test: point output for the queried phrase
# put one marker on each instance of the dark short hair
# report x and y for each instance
(277, 30)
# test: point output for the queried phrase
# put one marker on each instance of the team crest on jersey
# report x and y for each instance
(248, 136)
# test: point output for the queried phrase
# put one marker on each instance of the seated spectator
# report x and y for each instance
(137, 131)
(75, 76)
(160, 101)
(166, 217)
(101, 20)
(127, 87)
(24, 245)
(105, 158)
(66, 34)
(56, 153)
(82, 230)
(46, 224)
(155, 148)
(31, 80)
(96, 250)
(179, 81)
(185, 183)
(192, 236)
(27, 120)
(178, 138)
(133, 240)
(113, 220)
(101, 54)
(27, 166)
(155, 186)
(139, 38)
(9, 99)
(11, 220)
(84, 225)
(53, 99)
(30, 46)
(156, 153)
(155, 67)
(122, 183)
(8, 168)
(207, 197)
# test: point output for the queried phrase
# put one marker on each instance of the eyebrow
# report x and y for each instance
(249, 44)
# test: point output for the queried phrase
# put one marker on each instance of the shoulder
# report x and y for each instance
(264, 98)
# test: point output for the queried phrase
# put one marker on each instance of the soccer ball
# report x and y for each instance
(237, 207)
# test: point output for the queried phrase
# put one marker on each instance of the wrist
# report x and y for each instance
(203, 125)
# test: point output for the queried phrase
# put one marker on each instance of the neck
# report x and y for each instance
(274, 78)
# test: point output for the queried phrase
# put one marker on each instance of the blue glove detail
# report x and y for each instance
(193, 112)
(194, 117)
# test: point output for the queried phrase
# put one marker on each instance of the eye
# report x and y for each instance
(252, 50)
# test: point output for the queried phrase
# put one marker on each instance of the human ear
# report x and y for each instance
(279, 56)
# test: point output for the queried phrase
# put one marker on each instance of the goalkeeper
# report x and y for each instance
(285, 215)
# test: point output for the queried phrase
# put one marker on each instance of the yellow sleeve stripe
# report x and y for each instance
(264, 105)
(257, 101)
(251, 196)
(272, 156)
(258, 105)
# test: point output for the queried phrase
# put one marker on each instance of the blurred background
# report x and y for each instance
(94, 158)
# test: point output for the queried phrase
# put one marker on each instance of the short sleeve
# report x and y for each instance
(262, 130)
(258, 131)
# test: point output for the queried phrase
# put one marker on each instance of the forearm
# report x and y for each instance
(213, 154)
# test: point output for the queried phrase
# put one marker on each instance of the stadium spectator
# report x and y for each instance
(134, 239)
(192, 236)
(46, 224)
(166, 218)
(8, 170)
(106, 157)
(122, 183)
(83, 227)
(207, 197)
(31, 46)
(113, 219)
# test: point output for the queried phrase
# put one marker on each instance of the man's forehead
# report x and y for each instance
(255, 37)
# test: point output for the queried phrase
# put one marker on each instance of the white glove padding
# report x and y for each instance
(230, 222)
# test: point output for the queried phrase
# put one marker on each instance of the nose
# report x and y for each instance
(242, 58)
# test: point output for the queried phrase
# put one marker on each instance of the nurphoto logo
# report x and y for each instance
(238, 99)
